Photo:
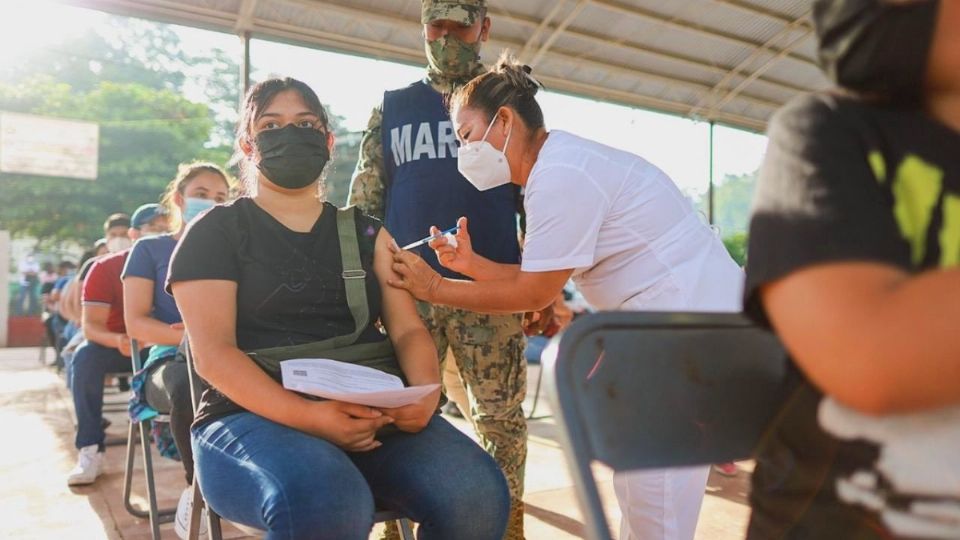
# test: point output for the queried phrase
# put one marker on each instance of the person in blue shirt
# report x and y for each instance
(152, 317)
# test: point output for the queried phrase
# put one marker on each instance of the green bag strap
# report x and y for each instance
(354, 281)
(354, 276)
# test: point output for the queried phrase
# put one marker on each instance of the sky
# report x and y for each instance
(351, 86)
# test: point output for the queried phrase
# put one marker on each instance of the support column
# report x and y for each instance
(245, 65)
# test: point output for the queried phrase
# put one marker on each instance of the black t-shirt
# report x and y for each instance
(847, 181)
(290, 288)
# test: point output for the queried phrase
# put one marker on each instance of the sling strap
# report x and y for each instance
(354, 281)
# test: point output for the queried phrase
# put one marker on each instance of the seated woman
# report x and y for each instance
(854, 247)
(263, 275)
(152, 317)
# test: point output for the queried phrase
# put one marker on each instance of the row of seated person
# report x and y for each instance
(123, 299)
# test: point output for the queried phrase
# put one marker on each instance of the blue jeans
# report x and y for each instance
(296, 486)
(90, 364)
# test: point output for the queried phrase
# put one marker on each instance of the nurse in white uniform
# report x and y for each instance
(607, 218)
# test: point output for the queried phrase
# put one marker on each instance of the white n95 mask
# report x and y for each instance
(482, 164)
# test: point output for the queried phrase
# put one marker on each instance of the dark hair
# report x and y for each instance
(506, 84)
(257, 99)
(116, 220)
(185, 173)
(87, 255)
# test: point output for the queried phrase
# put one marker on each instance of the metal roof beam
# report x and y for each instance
(573, 59)
(687, 26)
(767, 47)
(632, 99)
(161, 11)
(756, 73)
(245, 18)
(558, 30)
(753, 9)
(631, 71)
(189, 14)
(539, 30)
(633, 47)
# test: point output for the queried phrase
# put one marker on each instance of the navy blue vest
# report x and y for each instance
(425, 188)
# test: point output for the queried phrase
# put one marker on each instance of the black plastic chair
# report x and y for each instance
(635, 390)
(199, 504)
(152, 512)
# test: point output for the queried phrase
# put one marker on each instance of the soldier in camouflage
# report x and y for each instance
(488, 349)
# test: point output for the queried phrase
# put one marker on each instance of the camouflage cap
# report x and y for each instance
(461, 11)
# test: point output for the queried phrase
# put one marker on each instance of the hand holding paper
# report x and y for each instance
(350, 383)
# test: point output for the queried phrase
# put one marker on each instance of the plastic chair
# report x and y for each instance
(659, 390)
(199, 504)
(152, 512)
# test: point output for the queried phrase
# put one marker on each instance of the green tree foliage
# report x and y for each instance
(128, 77)
(144, 134)
(736, 244)
(732, 199)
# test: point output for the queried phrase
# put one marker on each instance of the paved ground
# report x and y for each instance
(36, 420)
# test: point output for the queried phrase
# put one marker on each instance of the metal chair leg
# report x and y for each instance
(213, 520)
(199, 510)
(406, 529)
(196, 512)
(128, 475)
(155, 515)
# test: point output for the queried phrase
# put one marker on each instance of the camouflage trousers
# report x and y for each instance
(488, 350)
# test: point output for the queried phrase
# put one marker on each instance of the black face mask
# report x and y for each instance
(876, 47)
(292, 157)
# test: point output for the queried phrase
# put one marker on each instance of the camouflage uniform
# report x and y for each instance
(488, 348)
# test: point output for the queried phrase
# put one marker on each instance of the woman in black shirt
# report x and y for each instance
(265, 272)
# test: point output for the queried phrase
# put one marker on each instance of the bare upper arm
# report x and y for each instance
(399, 309)
(827, 316)
(209, 310)
(137, 298)
(94, 316)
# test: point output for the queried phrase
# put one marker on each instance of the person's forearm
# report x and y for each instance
(483, 269)
(508, 295)
(150, 330)
(100, 334)
(237, 377)
(417, 356)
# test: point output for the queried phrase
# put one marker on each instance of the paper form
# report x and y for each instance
(343, 381)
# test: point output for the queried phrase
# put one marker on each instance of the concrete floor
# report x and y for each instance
(36, 420)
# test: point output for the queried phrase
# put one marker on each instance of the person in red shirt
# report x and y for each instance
(107, 346)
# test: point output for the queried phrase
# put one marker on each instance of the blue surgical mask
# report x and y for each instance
(193, 207)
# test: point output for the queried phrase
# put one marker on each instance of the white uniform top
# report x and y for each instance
(634, 241)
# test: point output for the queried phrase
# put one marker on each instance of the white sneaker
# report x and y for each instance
(89, 463)
(184, 508)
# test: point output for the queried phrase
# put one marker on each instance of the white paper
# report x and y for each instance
(351, 383)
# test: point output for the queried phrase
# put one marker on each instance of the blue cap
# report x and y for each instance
(145, 214)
